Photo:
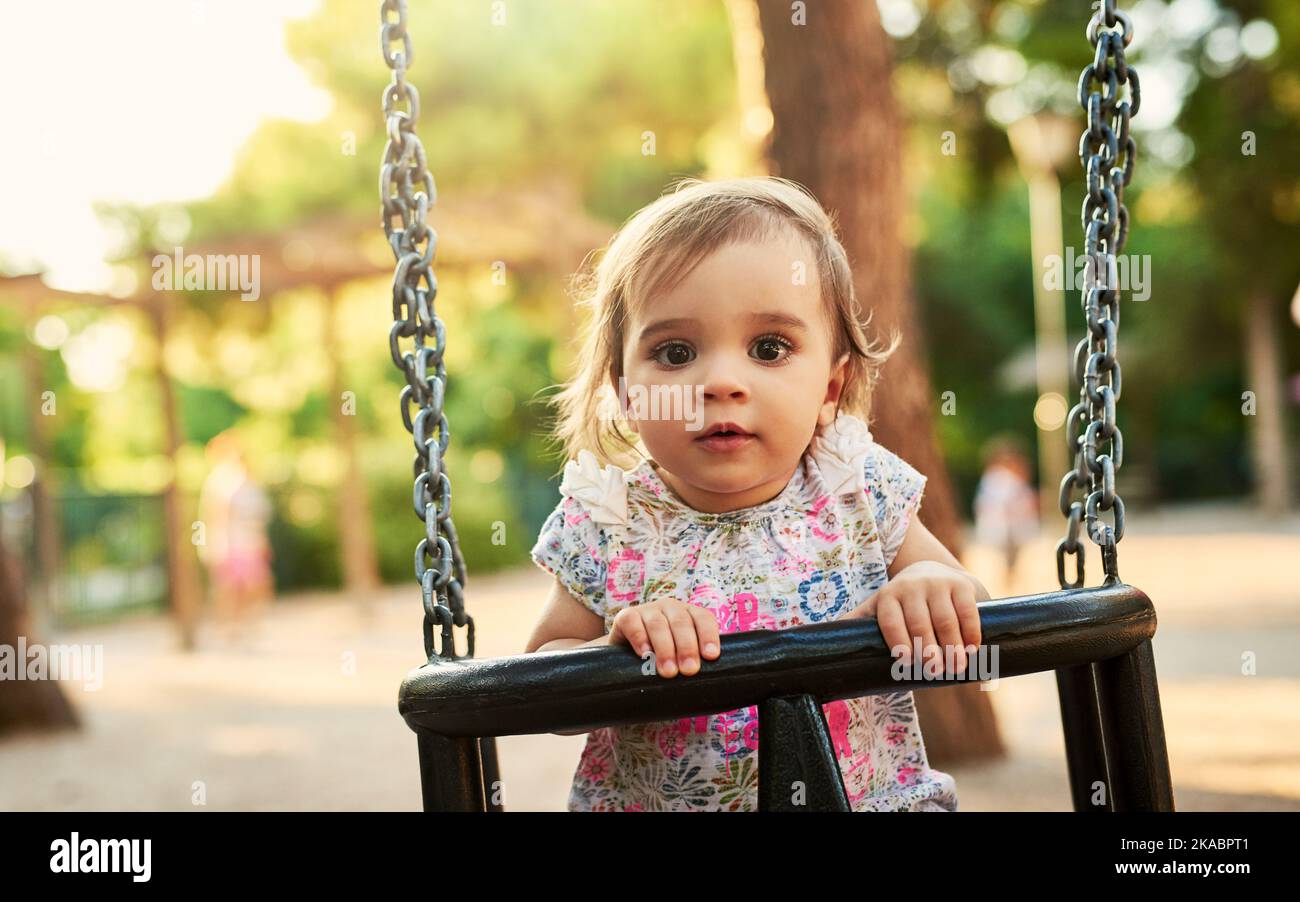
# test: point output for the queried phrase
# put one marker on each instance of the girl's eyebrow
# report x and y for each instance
(668, 325)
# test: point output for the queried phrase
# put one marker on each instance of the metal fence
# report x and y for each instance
(111, 556)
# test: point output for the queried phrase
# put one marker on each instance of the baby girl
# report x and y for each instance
(774, 509)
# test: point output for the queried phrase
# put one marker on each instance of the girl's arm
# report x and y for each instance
(919, 544)
(565, 623)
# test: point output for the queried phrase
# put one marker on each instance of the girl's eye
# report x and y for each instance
(676, 352)
(773, 345)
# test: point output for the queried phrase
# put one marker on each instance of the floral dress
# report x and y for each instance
(811, 554)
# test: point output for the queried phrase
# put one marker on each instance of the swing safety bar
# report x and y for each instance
(1098, 640)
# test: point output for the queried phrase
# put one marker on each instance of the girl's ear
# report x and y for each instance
(826, 415)
(839, 373)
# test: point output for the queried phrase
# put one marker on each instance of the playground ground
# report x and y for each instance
(304, 717)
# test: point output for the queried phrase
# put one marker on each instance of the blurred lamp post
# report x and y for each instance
(1043, 143)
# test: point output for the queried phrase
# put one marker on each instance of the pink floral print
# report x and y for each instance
(806, 556)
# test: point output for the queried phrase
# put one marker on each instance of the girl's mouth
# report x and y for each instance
(725, 441)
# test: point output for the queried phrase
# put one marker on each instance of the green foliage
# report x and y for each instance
(207, 411)
(306, 556)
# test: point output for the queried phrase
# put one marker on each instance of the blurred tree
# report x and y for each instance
(25, 703)
(1243, 118)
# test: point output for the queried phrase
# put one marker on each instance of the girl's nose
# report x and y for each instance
(722, 376)
(722, 381)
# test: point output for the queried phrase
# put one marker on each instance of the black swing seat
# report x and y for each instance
(1098, 640)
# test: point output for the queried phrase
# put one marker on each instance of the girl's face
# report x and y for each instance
(743, 339)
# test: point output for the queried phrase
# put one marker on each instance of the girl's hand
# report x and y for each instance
(929, 601)
(673, 630)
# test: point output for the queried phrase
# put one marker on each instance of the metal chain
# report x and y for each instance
(403, 171)
(1107, 153)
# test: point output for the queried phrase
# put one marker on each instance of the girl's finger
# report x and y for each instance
(917, 611)
(661, 636)
(706, 629)
(947, 629)
(893, 626)
(688, 651)
(968, 613)
(630, 627)
(868, 607)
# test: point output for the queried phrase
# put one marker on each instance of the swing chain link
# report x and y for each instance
(1105, 141)
(406, 192)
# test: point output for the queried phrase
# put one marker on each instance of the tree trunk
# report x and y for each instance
(182, 568)
(26, 704)
(45, 522)
(837, 132)
(1268, 443)
(355, 528)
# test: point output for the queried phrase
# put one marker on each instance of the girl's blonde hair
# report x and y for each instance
(654, 251)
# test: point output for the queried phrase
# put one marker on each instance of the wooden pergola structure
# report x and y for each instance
(542, 229)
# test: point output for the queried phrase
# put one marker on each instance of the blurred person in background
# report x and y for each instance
(235, 511)
(1006, 504)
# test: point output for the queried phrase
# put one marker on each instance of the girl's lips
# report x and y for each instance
(723, 443)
